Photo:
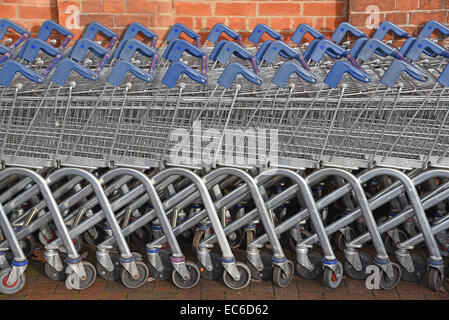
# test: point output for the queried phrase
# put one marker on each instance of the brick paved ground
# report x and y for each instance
(38, 286)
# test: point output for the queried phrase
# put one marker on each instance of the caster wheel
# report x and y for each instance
(217, 268)
(361, 274)
(167, 268)
(5, 288)
(28, 245)
(245, 277)
(132, 283)
(76, 283)
(186, 238)
(304, 234)
(385, 282)
(330, 279)
(46, 239)
(110, 275)
(316, 260)
(418, 274)
(390, 245)
(435, 279)
(267, 271)
(340, 239)
(197, 238)
(235, 238)
(54, 274)
(95, 236)
(280, 278)
(194, 273)
(142, 236)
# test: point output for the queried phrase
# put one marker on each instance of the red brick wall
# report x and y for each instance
(282, 15)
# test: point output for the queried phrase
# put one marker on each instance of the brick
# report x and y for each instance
(35, 12)
(361, 5)
(331, 295)
(407, 5)
(431, 4)
(237, 295)
(237, 23)
(44, 3)
(193, 8)
(190, 294)
(358, 19)
(92, 6)
(144, 6)
(253, 22)
(161, 21)
(324, 9)
(187, 21)
(64, 4)
(281, 23)
(280, 9)
(235, 9)
(7, 10)
(124, 20)
(211, 22)
(115, 296)
(333, 22)
(114, 6)
(418, 18)
(105, 19)
(212, 295)
(398, 18)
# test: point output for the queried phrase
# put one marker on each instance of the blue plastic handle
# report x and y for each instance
(94, 28)
(179, 28)
(82, 46)
(221, 28)
(444, 77)
(132, 46)
(262, 49)
(287, 69)
(131, 32)
(276, 48)
(230, 48)
(48, 27)
(5, 25)
(176, 70)
(9, 70)
(233, 70)
(33, 46)
(318, 48)
(388, 26)
(64, 69)
(430, 27)
(344, 28)
(121, 68)
(339, 69)
(304, 29)
(396, 68)
(373, 45)
(177, 48)
(425, 44)
(216, 50)
(262, 29)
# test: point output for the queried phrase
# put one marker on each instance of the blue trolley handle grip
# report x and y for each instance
(231, 48)
(233, 70)
(130, 47)
(444, 77)
(304, 29)
(121, 68)
(94, 28)
(6, 24)
(318, 48)
(176, 69)
(430, 27)
(424, 44)
(339, 69)
(344, 28)
(262, 29)
(131, 33)
(66, 66)
(9, 70)
(388, 26)
(396, 68)
(287, 69)
(373, 45)
(179, 28)
(82, 46)
(178, 47)
(277, 48)
(31, 49)
(48, 27)
(216, 50)
(221, 28)
(52, 64)
(262, 50)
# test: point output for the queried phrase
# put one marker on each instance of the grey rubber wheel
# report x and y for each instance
(280, 278)
(435, 279)
(267, 272)
(80, 284)
(330, 279)
(316, 260)
(15, 287)
(418, 274)
(245, 277)
(217, 268)
(387, 283)
(167, 268)
(365, 260)
(194, 273)
(132, 283)
(110, 275)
